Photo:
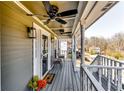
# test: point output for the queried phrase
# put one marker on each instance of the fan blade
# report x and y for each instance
(66, 33)
(47, 22)
(47, 6)
(60, 21)
(67, 13)
(37, 15)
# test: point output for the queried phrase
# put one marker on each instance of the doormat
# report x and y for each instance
(49, 77)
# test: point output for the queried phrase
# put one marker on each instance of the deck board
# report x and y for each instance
(57, 79)
(61, 78)
(74, 80)
(70, 78)
(65, 78)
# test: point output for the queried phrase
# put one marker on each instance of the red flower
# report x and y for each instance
(41, 84)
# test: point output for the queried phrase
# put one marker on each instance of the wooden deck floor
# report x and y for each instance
(66, 79)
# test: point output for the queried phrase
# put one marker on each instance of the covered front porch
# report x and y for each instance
(31, 52)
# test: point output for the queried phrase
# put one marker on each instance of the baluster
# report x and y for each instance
(115, 73)
(109, 82)
(80, 78)
(119, 72)
(93, 87)
(87, 84)
(104, 65)
(99, 70)
(107, 69)
(84, 82)
(111, 71)
(100, 75)
(90, 85)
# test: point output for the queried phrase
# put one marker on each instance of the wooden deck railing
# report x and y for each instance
(88, 81)
(110, 69)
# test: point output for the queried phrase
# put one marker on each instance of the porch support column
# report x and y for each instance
(82, 81)
(58, 48)
(74, 53)
(82, 30)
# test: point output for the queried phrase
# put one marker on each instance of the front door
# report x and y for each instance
(41, 51)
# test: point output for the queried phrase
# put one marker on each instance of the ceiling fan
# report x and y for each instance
(63, 33)
(52, 13)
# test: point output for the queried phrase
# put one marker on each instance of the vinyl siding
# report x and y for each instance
(16, 49)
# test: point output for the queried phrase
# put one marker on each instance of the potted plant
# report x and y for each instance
(36, 84)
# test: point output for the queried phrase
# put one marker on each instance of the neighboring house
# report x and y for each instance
(94, 50)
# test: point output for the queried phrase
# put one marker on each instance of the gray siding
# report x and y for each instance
(16, 48)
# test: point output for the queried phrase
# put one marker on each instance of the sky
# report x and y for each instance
(109, 24)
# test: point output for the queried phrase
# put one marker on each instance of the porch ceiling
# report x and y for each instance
(37, 7)
(90, 11)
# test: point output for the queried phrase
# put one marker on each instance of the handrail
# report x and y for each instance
(101, 66)
(97, 85)
(94, 60)
(106, 58)
(111, 59)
